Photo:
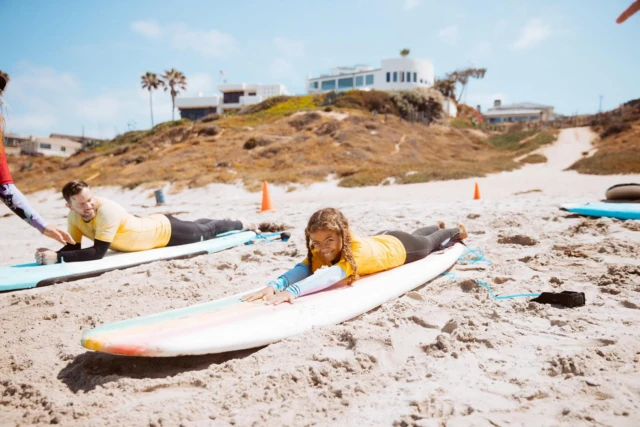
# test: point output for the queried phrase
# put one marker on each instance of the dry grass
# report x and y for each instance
(279, 148)
(534, 158)
(619, 148)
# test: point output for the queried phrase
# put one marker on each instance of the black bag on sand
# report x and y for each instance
(568, 299)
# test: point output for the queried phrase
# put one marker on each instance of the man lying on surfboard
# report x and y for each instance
(111, 227)
(330, 244)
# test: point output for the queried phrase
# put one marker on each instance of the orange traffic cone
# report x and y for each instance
(267, 206)
(476, 193)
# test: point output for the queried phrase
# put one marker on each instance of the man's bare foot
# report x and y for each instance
(441, 225)
(463, 232)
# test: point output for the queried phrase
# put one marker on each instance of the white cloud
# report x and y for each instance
(212, 43)
(43, 100)
(481, 49)
(37, 122)
(42, 78)
(199, 83)
(281, 68)
(289, 48)
(411, 4)
(449, 35)
(100, 108)
(535, 32)
(148, 29)
(500, 28)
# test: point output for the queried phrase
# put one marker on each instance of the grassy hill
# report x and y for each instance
(619, 145)
(289, 140)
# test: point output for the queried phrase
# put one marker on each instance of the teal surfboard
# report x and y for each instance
(26, 276)
(600, 209)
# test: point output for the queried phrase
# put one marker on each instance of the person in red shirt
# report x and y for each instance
(14, 199)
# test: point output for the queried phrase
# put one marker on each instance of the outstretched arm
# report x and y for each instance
(73, 253)
(320, 280)
(15, 200)
(299, 272)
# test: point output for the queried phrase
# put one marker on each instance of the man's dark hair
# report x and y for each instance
(72, 188)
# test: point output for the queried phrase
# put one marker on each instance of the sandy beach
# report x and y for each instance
(443, 354)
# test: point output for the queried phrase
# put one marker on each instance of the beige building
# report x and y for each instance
(50, 146)
(521, 112)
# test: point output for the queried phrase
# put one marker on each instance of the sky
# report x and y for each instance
(75, 65)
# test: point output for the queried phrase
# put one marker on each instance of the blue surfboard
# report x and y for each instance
(25, 276)
(600, 209)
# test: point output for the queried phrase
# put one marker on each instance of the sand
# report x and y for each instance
(444, 354)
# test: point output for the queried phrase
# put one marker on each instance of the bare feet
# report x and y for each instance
(441, 225)
(248, 225)
(463, 231)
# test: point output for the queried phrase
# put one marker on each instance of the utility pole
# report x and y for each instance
(600, 105)
(600, 110)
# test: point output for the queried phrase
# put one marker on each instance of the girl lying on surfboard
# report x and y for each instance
(330, 244)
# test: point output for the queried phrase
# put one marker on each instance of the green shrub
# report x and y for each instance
(371, 101)
(614, 129)
(264, 105)
(254, 142)
(415, 105)
(510, 141)
(534, 158)
(210, 118)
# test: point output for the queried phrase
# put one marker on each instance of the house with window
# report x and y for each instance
(13, 142)
(234, 96)
(394, 74)
(238, 95)
(50, 146)
(86, 141)
(520, 112)
(195, 108)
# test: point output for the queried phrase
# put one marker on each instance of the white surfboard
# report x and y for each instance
(230, 324)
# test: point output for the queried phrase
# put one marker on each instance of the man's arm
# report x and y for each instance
(71, 254)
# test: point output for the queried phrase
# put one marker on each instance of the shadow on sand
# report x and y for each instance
(90, 370)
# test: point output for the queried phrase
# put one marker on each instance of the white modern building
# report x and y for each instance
(50, 146)
(394, 74)
(521, 112)
(234, 96)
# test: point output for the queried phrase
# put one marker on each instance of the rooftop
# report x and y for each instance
(521, 106)
(510, 111)
(60, 141)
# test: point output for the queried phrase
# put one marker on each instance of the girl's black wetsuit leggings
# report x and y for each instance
(423, 241)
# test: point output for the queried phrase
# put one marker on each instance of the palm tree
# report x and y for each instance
(175, 81)
(404, 52)
(4, 79)
(150, 81)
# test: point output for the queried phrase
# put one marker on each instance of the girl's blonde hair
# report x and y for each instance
(334, 220)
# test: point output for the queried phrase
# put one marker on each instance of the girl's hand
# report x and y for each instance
(266, 292)
(280, 297)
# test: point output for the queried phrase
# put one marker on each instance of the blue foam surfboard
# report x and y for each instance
(25, 276)
(600, 209)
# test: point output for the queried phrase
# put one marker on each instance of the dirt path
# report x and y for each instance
(397, 146)
(568, 148)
